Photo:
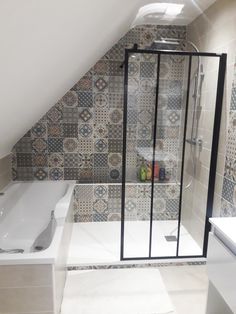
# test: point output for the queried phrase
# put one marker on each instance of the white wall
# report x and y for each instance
(214, 31)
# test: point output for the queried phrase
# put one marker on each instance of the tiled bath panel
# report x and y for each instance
(80, 137)
(102, 202)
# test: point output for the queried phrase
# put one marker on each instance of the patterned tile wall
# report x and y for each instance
(102, 202)
(228, 201)
(80, 137)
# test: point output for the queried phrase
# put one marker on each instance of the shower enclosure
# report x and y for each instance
(172, 112)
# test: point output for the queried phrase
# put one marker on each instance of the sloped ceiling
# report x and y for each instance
(48, 45)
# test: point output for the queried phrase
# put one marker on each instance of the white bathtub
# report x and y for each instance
(35, 279)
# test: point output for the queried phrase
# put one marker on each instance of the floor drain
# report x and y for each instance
(171, 238)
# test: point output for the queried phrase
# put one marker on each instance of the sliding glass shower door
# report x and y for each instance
(161, 99)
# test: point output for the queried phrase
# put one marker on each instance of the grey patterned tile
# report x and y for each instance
(116, 84)
(100, 206)
(86, 115)
(83, 195)
(55, 130)
(56, 160)
(101, 68)
(116, 116)
(56, 174)
(228, 190)
(115, 68)
(40, 174)
(86, 175)
(70, 115)
(100, 130)
(115, 175)
(114, 205)
(114, 191)
(116, 100)
(101, 116)
(174, 102)
(40, 159)
(100, 160)
(100, 100)
(233, 99)
(147, 69)
(114, 159)
(101, 83)
(87, 160)
(54, 115)
(24, 145)
(100, 174)
(24, 159)
(115, 131)
(101, 191)
(70, 130)
(85, 130)
(24, 173)
(39, 130)
(71, 173)
(72, 160)
(40, 145)
(85, 99)
(84, 84)
(85, 145)
(227, 209)
(101, 145)
(70, 99)
(70, 145)
(132, 116)
(115, 145)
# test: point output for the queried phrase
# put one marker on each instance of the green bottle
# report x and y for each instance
(143, 173)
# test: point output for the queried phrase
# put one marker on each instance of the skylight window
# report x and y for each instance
(174, 9)
(160, 11)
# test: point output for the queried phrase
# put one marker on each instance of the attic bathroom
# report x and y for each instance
(118, 157)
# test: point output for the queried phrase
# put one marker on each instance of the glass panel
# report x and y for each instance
(168, 155)
(199, 134)
(142, 74)
(166, 238)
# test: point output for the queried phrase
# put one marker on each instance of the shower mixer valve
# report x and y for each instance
(195, 142)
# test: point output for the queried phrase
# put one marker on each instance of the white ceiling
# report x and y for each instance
(48, 45)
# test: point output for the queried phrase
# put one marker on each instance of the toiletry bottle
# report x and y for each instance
(156, 170)
(162, 174)
(149, 171)
(143, 173)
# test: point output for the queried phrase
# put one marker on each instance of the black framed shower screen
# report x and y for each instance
(213, 156)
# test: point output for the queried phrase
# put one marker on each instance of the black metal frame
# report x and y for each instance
(216, 129)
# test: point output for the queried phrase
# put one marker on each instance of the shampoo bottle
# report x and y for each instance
(143, 173)
(149, 171)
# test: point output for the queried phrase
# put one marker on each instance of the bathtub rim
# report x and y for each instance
(61, 211)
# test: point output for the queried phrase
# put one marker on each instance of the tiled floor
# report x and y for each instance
(163, 290)
(187, 287)
(99, 242)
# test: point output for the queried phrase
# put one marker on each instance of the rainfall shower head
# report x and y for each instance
(165, 44)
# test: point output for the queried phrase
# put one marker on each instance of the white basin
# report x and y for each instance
(225, 229)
